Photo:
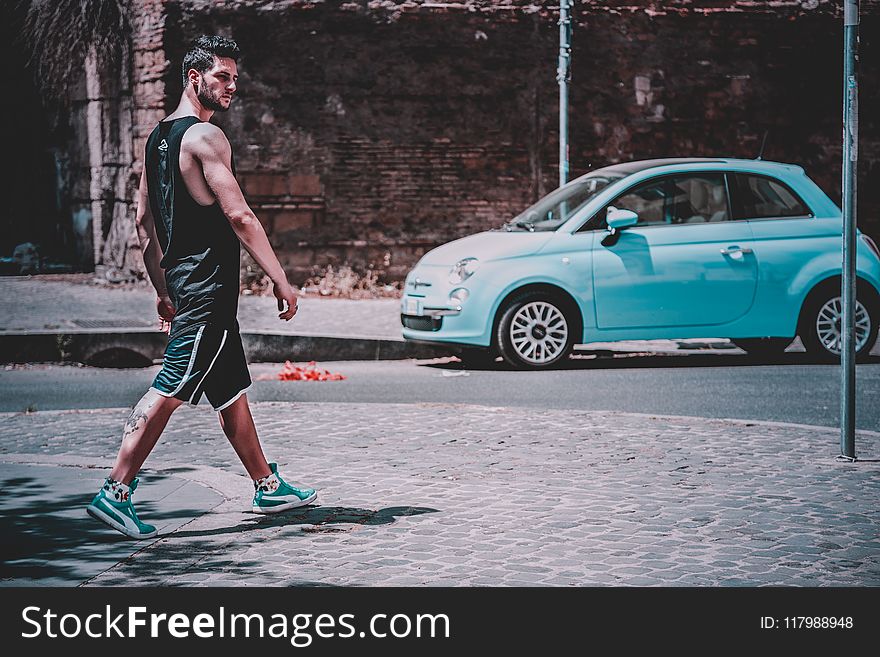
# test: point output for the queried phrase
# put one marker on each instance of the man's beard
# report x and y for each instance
(209, 101)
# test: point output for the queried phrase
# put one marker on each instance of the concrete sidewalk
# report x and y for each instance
(46, 541)
(46, 319)
(451, 495)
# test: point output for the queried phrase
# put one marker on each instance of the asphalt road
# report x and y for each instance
(713, 386)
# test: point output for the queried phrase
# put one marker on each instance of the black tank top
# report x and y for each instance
(200, 249)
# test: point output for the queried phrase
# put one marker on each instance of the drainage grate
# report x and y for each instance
(113, 323)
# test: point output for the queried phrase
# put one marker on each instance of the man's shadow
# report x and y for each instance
(314, 519)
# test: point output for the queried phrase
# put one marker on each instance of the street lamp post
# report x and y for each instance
(848, 195)
(563, 77)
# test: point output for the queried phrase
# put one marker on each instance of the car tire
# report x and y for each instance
(763, 347)
(537, 330)
(820, 322)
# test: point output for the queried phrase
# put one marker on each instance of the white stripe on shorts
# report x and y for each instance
(234, 399)
(192, 360)
(208, 371)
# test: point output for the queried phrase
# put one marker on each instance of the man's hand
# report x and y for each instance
(285, 295)
(165, 307)
(166, 310)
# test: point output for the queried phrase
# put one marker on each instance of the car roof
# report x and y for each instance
(628, 168)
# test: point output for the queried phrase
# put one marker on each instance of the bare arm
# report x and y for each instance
(213, 151)
(146, 229)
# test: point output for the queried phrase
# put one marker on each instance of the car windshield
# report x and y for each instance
(559, 206)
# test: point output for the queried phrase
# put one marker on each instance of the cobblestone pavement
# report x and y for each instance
(460, 495)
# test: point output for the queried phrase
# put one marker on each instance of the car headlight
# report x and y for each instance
(463, 270)
(458, 296)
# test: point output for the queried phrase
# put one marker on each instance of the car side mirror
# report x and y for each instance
(620, 219)
(617, 220)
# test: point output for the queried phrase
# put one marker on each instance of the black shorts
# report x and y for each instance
(205, 359)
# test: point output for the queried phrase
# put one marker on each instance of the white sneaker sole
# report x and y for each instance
(287, 506)
(97, 514)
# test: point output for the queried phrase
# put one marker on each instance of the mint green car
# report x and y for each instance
(676, 248)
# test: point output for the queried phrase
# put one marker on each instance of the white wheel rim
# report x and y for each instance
(539, 332)
(830, 319)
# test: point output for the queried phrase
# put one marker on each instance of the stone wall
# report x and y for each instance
(112, 108)
(99, 157)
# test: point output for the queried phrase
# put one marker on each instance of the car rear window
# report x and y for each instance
(761, 197)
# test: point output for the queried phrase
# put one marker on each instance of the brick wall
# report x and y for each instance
(368, 133)
(148, 74)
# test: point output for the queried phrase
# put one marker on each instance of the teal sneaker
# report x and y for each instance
(112, 505)
(273, 494)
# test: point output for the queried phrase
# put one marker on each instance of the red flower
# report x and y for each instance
(309, 372)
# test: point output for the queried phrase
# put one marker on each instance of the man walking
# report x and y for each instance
(191, 218)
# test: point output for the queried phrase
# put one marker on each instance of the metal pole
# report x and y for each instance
(848, 194)
(563, 77)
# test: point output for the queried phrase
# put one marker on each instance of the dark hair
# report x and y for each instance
(201, 55)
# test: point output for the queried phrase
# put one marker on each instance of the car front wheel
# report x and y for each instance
(536, 331)
(822, 332)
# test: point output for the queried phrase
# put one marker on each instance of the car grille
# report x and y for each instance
(421, 323)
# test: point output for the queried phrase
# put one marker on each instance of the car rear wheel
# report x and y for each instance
(536, 331)
(763, 347)
(822, 322)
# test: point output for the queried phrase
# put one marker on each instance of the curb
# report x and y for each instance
(144, 348)
(120, 348)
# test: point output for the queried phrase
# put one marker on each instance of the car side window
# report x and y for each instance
(698, 198)
(690, 198)
(648, 200)
(760, 197)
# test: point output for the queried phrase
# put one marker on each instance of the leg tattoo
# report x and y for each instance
(134, 420)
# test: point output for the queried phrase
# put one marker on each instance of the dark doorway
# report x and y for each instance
(33, 188)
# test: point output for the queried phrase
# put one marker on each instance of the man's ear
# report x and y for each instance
(193, 76)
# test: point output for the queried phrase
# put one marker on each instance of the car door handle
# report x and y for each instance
(735, 252)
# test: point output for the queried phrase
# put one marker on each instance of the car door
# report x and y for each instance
(685, 263)
(787, 237)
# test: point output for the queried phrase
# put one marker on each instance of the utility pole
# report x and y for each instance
(848, 195)
(563, 77)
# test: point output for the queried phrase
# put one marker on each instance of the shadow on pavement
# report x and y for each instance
(319, 518)
(606, 360)
(47, 535)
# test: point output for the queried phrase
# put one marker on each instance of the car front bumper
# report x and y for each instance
(427, 314)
